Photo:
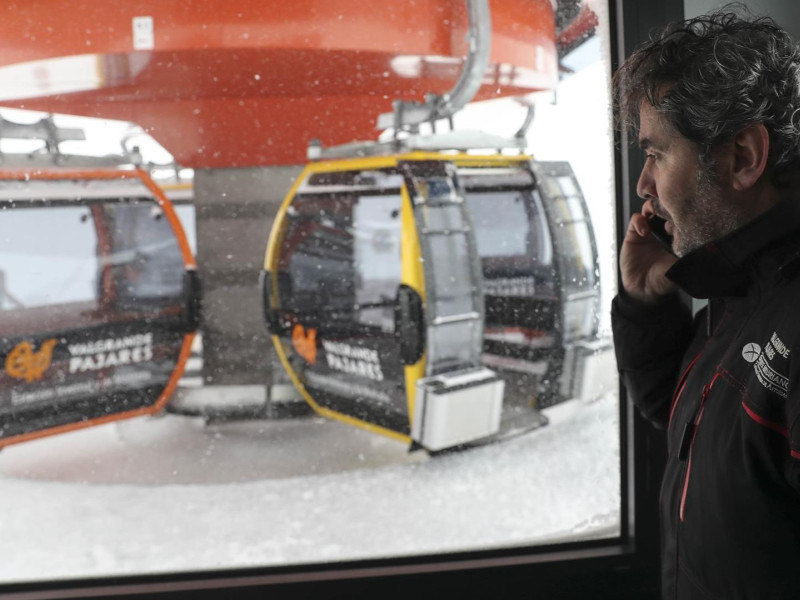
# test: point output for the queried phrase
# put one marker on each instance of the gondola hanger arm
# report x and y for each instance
(407, 115)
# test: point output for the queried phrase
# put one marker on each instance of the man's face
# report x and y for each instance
(672, 180)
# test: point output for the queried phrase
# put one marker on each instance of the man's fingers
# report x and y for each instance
(639, 225)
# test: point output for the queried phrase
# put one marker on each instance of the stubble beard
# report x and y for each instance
(708, 218)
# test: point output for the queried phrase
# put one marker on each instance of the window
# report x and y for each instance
(306, 495)
(69, 272)
(145, 256)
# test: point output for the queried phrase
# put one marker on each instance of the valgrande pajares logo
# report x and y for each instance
(25, 363)
(305, 342)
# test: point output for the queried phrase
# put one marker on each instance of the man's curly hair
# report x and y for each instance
(711, 76)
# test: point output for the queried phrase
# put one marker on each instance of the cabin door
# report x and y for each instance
(338, 274)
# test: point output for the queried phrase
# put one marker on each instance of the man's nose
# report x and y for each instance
(646, 187)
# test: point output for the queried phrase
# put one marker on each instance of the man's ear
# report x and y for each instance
(750, 154)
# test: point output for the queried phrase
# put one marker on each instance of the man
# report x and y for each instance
(715, 105)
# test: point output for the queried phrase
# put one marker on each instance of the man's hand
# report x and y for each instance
(643, 262)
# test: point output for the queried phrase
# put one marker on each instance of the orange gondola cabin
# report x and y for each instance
(99, 299)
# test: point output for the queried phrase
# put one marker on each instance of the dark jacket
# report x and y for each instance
(726, 384)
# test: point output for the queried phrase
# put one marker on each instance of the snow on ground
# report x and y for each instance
(172, 493)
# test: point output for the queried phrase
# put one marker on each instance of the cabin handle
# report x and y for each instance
(192, 300)
(271, 316)
(409, 324)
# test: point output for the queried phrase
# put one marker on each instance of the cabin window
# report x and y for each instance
(58, 265)
(344, 248)
(87, 262)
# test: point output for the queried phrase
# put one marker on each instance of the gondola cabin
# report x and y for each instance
(431, 297)
(99, 299)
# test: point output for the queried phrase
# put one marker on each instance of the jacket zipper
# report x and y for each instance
(687, 443)
(682, 381)
(681, 385)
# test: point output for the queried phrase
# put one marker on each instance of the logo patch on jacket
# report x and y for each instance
(769, 364)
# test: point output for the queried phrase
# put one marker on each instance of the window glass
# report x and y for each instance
(510, 234)
(453, 275)
(452, 346)
(376, 254)
(56, 266)
(575, 241)
(347, 248)
(145, 256)
(514, 242)
(238, 457)
(74, 265)
(512, 239)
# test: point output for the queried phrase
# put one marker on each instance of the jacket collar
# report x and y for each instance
(720, 268)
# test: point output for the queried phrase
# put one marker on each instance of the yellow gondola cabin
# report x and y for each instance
(432, 297)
